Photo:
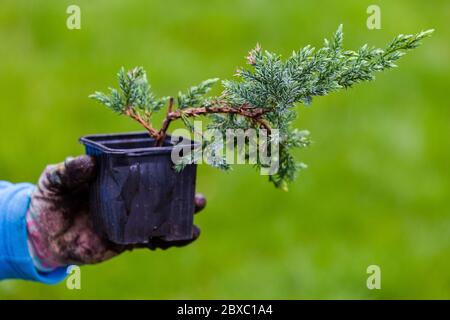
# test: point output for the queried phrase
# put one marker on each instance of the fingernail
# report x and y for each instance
(200, 200)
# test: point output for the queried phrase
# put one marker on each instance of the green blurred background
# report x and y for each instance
(377, 189)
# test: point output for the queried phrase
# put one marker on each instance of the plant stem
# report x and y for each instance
(245, 110)
(132, 114)
(162, 133)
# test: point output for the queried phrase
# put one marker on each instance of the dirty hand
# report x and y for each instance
(59, 227)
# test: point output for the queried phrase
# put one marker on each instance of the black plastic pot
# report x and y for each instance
(137, 194)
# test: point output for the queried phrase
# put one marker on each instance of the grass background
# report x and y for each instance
(377, 189)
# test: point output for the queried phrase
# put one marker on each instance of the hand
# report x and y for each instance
(59, 226)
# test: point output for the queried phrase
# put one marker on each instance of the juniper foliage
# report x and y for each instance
(195, 96)
(270, 85)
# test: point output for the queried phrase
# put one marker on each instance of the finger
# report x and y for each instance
(69, 175)
(200, 202)
(78, 171)
(195, 232)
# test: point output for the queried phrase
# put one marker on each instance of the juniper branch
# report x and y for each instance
(263, 95)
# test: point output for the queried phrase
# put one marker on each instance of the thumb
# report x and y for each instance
(69, 175)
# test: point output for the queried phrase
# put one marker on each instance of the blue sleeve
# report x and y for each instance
(15, 260)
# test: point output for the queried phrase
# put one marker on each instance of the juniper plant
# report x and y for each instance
(264, 95)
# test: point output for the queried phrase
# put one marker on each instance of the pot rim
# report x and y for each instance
(98, 141)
